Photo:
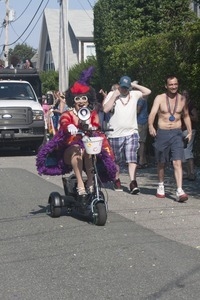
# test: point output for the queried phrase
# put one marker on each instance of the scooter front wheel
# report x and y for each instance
(55, 205)
(100, 214)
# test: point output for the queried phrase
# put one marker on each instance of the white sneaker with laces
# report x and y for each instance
(160, 191)
(181, 196)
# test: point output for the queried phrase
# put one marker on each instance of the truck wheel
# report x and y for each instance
(36, 147)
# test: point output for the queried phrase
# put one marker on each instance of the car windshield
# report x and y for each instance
(16, 91)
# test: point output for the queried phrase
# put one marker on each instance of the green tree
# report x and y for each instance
(21, 52)
(75, 71)
(151, 59)
(49, 81)
(121, 21)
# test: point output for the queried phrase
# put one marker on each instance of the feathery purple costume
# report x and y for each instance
(49, 160)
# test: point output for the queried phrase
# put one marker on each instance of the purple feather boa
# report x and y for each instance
(86, 76)
(57, 145)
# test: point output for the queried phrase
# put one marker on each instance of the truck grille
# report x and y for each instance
(15, 116)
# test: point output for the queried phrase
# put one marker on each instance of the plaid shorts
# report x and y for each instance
(126, 146)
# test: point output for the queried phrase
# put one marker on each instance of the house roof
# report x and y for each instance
(80, 22)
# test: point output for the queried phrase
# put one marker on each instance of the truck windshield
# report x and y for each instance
(16, 91)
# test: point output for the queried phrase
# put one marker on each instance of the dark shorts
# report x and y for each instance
(169, 145)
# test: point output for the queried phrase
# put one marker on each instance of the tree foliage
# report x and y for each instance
(121, 21)
(49, 81)
(151, 59)
(21, 52)
(148, 40)
(75, 71)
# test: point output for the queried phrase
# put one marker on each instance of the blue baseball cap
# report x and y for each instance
(125, 82)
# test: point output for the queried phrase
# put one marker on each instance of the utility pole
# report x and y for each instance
(63, 49)
(6, 32)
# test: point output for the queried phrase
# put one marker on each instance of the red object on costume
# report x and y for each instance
(69, 117)
(79, 88)
(63, 139)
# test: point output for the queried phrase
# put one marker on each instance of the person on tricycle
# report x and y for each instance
(65, 151)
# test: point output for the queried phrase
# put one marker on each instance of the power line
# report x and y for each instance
(36, 22)
(41, 15)
(19, 36)
(89, 3)
(19, 15)
(81, 5)
(23, 11)
(26, 27)
(84, 9)
(23, 41)
(14, 30)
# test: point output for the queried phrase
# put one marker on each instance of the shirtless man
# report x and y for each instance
(170, 108)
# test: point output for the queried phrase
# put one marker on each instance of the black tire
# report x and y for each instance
(100, 214)
(36, 147)
(101, 195)
(55, 205)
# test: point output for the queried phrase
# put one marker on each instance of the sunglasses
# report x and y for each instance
(81, 98)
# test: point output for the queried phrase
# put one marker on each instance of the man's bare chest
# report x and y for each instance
(171, 105)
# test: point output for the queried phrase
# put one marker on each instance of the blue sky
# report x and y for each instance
(32, 35)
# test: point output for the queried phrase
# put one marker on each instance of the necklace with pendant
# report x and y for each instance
(125, 103)
(75, 112)
(171, 117)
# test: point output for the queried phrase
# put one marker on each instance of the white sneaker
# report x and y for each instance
(181, 196)
(160, 191)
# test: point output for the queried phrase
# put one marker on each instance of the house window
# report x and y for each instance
(89, 50)
(195, 8)
(49, 65)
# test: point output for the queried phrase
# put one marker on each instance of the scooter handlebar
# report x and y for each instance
(83, 132)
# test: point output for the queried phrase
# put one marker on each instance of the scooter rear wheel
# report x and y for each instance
(55, 205)
(100, 214)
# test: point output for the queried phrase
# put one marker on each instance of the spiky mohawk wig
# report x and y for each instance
(82, 87)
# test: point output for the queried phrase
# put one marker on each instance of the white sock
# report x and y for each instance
(179, 190)
(161, 183)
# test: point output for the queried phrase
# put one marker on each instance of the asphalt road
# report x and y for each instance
(149, 248)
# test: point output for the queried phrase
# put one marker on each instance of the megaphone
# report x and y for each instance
(84, 114)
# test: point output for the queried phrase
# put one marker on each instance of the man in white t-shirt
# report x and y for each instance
(124, 138)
